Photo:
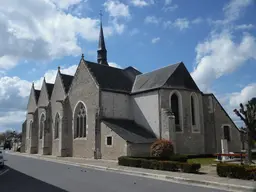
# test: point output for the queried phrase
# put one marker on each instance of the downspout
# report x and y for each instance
(160, 117)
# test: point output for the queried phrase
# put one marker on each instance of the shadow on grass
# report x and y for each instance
(15, 181)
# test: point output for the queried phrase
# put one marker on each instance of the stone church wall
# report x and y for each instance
(145, 107)
(221, 118)
(31, 143)
(116, 105)
(118, 148)
(138, 149)
(58, 94)
(85, 90)
(187, 142)
(44, 145)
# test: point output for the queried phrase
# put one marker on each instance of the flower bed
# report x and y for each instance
(236, 171)
(165, 165)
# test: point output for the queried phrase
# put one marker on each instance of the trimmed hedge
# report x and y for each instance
(179, 158)
(196, 156)
(236, 171)
(159, 164)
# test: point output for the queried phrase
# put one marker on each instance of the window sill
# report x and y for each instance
(109, 146)
(197, 132)
(56, 139)
(179, 131)
(80, 138)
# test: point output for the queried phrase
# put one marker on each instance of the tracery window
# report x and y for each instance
(42, 126)
(57, 126)
(80, 124)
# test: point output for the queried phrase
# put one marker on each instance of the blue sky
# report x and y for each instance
(215, 39)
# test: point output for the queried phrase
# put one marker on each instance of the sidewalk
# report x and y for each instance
(206, 180)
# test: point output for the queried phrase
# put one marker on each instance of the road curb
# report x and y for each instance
(203, 183)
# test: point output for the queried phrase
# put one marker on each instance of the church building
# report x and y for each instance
(107, 112)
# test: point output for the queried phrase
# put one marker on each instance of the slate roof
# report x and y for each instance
(37, 94)
(175, 76)
(66, 80)
(154, 79)
(111, 78)
(49, 88)
(130, 131)
(132, 72)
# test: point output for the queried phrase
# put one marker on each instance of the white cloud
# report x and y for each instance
(8, 62)
(234, 8)
(112, 64)
(50, 75)
(10, 120)
(167, 2)
(65, 4)
(220, 55)
(117, 9)
(197, 20)
(155, 40)
(152, 19)
(119, 27)
(139, 3)
(244, 26)
(40, 30)
(14, 93)
(168, 7)
(134, 31)
(243, 96)
(181, 23)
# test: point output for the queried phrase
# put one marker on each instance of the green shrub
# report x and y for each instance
(161, 148)
(236, 171)
(174, 157)
(145, 163)
(159, 164)
(179, 158)
(127, 161)
(197, 156)
(190, 167)
(169, 166)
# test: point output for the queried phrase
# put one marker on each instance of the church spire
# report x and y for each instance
(102, 51)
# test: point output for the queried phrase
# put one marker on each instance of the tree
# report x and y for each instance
(248, 116)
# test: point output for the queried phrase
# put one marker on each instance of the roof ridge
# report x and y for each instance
(103, 65)
(67, 74)
(160, 68)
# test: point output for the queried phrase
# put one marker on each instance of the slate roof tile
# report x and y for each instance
(67, 80)
(110, 78)
(130, 131)
(37, 94)
(49, 88)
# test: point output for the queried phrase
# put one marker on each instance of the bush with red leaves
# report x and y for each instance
(162, 148)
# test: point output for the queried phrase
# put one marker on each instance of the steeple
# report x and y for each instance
(102, 51)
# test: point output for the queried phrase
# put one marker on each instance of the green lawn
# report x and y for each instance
(202, 161)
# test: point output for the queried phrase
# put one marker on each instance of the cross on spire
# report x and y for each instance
(101, 14)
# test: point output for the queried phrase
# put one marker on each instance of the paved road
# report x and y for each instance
(32, 175)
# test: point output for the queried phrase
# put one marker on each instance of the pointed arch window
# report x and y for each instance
(42, 126)
(57, 126)
(176, 108)
(81, 123)
(30, 129)
(194, 112)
